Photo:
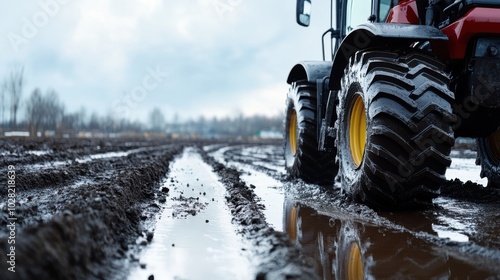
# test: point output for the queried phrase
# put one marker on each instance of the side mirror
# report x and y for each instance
(303, 12)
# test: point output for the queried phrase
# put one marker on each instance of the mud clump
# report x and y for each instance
(185, 207)
(470, 191)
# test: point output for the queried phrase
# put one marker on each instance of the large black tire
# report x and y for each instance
(394, 128)
(488, 156)
(302, 158)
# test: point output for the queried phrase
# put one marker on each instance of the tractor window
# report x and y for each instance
(358, 12)
(385, 6)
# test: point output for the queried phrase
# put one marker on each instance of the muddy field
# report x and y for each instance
(135, 209)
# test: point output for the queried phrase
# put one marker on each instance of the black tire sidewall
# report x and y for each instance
(351, 175)
(308, 163)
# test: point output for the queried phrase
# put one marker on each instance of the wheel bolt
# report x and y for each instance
(492, 51)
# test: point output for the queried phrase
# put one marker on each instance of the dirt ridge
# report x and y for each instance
(89, 237)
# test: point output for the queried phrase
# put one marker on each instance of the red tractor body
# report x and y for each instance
(405, 12)
(476, 22)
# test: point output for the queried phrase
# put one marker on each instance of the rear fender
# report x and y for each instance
(317, 73)
(310, 71)
(386, 35)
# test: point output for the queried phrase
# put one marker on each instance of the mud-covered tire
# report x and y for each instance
(408, 128)
(488, 156)
(302, 158)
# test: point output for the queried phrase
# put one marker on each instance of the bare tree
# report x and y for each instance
(157, 120)
(53, 110)
(94, 122)
(34, 111)
(14, 86)
(2, 102)
(44, 112)
(82, 116)
(70, 123)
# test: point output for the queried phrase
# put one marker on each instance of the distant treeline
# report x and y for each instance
(45, 115)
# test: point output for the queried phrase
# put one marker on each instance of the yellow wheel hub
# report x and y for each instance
(357, 130)
(292, 224)
(355, 265)
(292, 132)
(494, 141)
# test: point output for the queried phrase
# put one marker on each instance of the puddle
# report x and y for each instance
(80, 183)
(102, 156)
(445, 233)
(266, 156)
(39, 153)
(342, 248)
(199, 242)
(218, 155)
(479, 222)
(118, 154)
(342, 238)
(269, 190)
(47, 165)
(83, 159)
(271, 193)
(209, 148)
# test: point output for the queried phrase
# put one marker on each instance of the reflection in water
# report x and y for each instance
(338, 247)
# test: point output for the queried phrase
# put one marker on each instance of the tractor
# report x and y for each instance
(404, 80)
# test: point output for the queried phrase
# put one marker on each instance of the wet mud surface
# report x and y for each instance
(130, 209)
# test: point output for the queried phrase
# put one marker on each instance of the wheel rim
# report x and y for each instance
(292, 132)
(494, 143)
(355, 265)
(357, 130)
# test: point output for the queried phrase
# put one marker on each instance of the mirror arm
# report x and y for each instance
(334, 35)
(452, 5)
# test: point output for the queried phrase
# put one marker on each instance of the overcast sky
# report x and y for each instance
(186, 57)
